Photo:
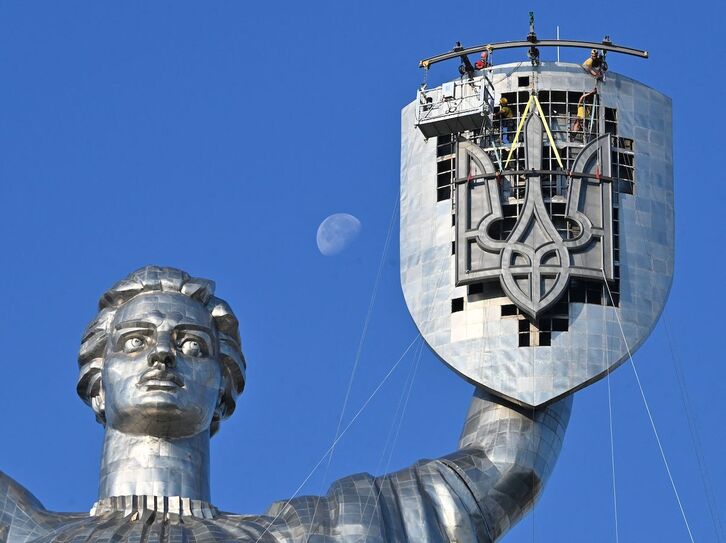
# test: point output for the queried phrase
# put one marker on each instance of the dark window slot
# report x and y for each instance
(443, 180)
(444, 166)
(561, 96)
(560, 325)
(594, 296)
(476, 288)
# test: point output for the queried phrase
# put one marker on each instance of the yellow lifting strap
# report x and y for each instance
(533, 98)
(519, 130)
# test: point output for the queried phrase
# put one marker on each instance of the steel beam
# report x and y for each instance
(605, 46)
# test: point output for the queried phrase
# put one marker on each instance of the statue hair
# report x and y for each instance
(161, 279)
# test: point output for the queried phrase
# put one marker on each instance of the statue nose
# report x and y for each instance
(162, 355)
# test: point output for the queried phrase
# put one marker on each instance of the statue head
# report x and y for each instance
(162, 356)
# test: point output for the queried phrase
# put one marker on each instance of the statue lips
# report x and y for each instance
(156, 379)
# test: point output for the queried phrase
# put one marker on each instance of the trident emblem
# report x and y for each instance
(553, 239)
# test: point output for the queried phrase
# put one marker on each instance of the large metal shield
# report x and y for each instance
(534, 276)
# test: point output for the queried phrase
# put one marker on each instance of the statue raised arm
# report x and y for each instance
(161, 366)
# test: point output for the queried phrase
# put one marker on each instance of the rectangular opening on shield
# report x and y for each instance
(594, 295)
(443, 193)
(559, 97)
(444, 165)
(486, 290)
(559, 325)
(457, 304)
(443, 179)
(509, 310)
(444, 145)
(476, 288)
(577, 293)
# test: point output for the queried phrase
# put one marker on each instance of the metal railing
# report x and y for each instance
(453, 99)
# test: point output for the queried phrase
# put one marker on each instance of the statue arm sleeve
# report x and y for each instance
(428, 502)
(506, 455)
(472, 495)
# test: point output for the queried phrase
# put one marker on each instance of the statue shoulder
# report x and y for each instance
(17, 505)
(13, 494)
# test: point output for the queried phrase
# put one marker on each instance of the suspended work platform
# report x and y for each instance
(455, 106)
(467, 104)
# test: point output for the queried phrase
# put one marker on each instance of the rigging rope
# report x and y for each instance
(340, 436)
(695, 436)
(439, 283)
(650, 416)
(591, 129)
(405, 396)
(612, 437)
(357, 358)
(359, 350)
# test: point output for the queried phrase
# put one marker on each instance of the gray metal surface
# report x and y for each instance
(535, 263)
(470, 332)
(161, 366)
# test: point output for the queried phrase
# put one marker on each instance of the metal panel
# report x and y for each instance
(477, 342)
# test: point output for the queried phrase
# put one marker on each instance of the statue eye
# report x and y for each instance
(133, 344)
(192, 347)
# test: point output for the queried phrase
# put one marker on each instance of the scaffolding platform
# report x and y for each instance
(455, 106)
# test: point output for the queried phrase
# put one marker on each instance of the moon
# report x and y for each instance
(336, 233)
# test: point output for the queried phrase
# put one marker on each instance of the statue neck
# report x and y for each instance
(142, 465)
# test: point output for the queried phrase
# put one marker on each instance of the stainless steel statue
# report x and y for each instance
(531, 278)
(161, 366)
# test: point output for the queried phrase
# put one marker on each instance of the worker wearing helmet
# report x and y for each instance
(483, 61)
(595, 65)
(583, 111)
(505, 117)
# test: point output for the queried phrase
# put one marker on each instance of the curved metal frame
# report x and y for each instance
(605, 46)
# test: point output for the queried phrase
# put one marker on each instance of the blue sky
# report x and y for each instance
(217, 136)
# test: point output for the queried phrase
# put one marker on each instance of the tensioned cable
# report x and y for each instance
(405, 396)
(397, 420)
(650, 416)
(359, 350)
(612, 436)
(439, 283)
(340, 436)
(442, 275)
(695, 436)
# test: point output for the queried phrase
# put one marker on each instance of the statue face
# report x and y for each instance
(161, 373)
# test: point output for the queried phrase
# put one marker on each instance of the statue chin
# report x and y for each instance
(160, 419)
